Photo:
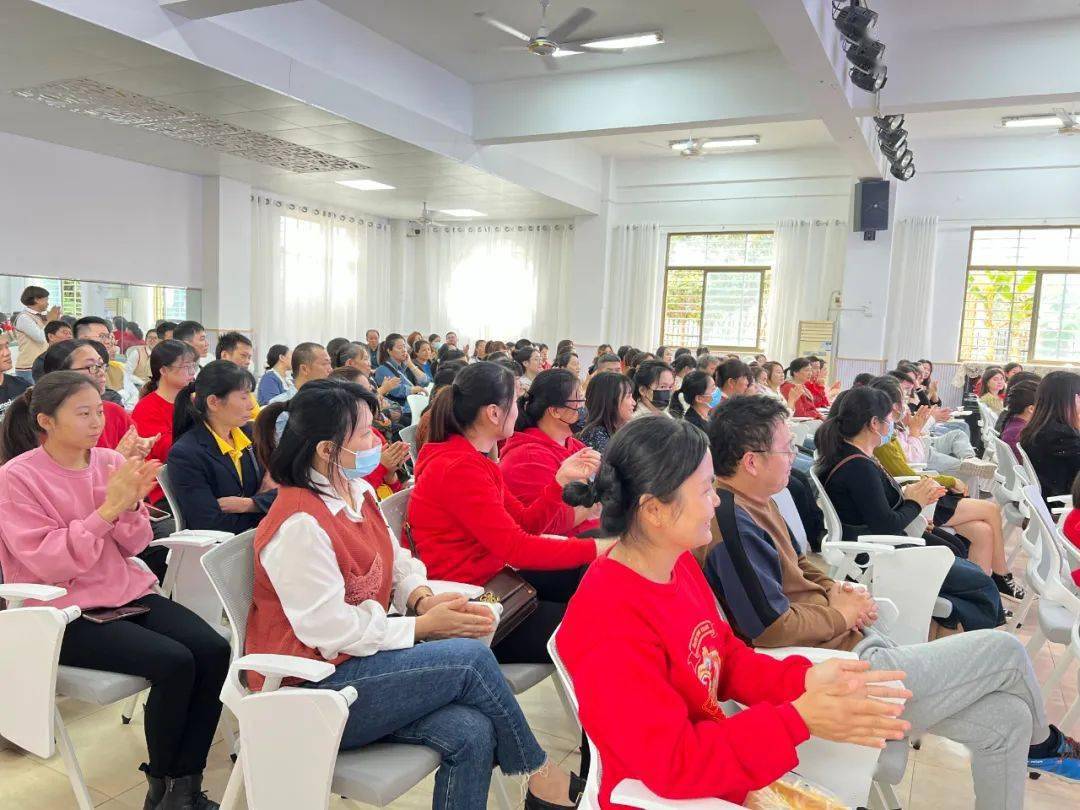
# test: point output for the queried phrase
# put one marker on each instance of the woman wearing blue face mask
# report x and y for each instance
(696, 399)
(869, 501)
(548, 415)
(328, 571)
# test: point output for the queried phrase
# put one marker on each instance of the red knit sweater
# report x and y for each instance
(153, 414)
(528, 463)
(117, 423)
(651, 665)
(467, 525)
(804, 405)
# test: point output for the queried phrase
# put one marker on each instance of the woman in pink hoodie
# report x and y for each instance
(548, 414)
(73, 517)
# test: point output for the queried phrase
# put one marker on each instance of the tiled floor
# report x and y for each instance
(938, 776)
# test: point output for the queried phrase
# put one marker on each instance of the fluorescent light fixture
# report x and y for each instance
(364, 185)
(1048, 120)
(628, 41)
(462, 212)
(561, 52)
(730, 143)
(679, 146)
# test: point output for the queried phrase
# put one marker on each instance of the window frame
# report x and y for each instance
(1039, 271)
(761, 269)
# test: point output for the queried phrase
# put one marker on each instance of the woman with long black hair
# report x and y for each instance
(1052, 438)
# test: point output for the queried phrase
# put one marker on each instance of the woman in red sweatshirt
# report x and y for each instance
(467, 526)
(651, 659)
(543, 439)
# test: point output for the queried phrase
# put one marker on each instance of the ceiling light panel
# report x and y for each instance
(365, 185)
(730, 143)
(1048, 120)
(462, 212)
(97, 100)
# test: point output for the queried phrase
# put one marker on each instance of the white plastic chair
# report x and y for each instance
(417, 405)
(1063, 501)
(1059, 607)
(277, 723)
(170, 497)
(1006, 493)
(408, 435)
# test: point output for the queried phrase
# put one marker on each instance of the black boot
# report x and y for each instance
(186, 793)
(156, 789)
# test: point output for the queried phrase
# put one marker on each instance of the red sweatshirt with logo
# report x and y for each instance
(652, 663)
(467, 525)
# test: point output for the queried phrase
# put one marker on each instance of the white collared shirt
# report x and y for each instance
(307, 578)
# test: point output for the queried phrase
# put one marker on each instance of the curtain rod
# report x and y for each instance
(319, 211)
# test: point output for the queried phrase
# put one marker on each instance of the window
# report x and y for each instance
(1022, 300)
(715, 290)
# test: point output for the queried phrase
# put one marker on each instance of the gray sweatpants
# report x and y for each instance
(977, 689)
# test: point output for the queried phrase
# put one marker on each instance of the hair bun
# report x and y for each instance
(580, 493)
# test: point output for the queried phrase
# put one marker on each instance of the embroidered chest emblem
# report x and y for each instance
(705, 663)
(366, 586)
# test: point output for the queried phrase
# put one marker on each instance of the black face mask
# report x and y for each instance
(661, 399)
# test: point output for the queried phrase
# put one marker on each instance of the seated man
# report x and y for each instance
(962, 685)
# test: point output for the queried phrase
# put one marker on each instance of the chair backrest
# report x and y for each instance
(394, 509)
(786, 504)
(408, 435)
(170, 497)
(834, 529)
(1006, 462)
(230, 567)
(987, 418)
(590, 796)
(911, 578)
(417, 404)
(1029, 469)
(1051, 571)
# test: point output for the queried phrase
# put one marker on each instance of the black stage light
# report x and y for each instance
(854, 22)
(893, 140)
(887, 123)
(866, 55)
(905, 173)
(870, 82)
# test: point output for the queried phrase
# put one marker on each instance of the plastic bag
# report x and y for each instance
(792, 793)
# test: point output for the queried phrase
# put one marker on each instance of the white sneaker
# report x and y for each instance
(978, 468)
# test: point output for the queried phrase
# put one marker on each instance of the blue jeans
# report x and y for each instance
(450, 696)
(25, 374)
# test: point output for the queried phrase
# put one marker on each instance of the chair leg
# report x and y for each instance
(1022, 610)
(568, 707)
(501, 784)
(1035, 644)
(887, 796)
(1060, 669)
(130, 706)
(234, 790)
(231, 731)
(1071, 716)
(71, 764)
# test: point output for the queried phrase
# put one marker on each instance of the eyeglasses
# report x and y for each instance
(791, 451)
(93, 368)
(187, 368)
(574, 403)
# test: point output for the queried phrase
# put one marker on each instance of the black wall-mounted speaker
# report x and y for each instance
(871, 207)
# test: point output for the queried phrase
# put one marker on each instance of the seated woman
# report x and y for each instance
(217, 480)
(654, 383)
(277, 379)
(531, 362)
(1052, 438)
(172, 367)
(570, 361)
(977, 520)
(543, 439)
(466, 524)
(422, 360)
(992, 388)
(798, 397)
(601, 350)
(1019, 408)
(646, 609)
(389, 475)
(609, 404)
(73, 517)
(328, 571)
(696, 399)
(394, 363)
(868, 500)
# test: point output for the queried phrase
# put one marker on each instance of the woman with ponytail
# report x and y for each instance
(73, 517)
(696, 399)
(548, 414)
(466, 524)
(217, 479)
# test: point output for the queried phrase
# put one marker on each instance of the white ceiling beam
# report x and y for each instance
(986, 66)
(803, 31)
(201, 9)
(750, 88)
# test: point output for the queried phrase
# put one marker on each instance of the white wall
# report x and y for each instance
(67, 213)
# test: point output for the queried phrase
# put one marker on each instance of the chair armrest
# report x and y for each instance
(276, 667)
(633, 793)
(907, 479)
(1058, 498)
(16, 592)
(892, 539)
(917, 465)
(190, 538)
(847, 548)
(814, 654)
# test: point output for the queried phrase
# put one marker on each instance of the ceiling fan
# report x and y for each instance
(549, 43)
(424, 220)
(1070, 124)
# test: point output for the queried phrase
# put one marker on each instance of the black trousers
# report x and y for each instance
(183, 658)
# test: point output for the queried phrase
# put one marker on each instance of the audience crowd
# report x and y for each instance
(634, 493)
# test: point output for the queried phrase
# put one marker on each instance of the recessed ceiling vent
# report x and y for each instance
(98, 100)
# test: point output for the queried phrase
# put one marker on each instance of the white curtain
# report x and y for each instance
(911, 289)
(493, 281)
(634, 286)
(808, 268)
(317, 274)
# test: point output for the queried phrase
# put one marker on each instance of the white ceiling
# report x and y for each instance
(38, 45)
(923, 15)
(446, 32)
(774, 137)
(979, 123)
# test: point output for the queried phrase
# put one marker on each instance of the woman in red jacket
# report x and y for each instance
(651, 659)
(796, 391)
(543, 439)
(467, 526)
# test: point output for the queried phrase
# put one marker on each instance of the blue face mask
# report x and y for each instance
(888, 436)
(714, 400)
(364, 462)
